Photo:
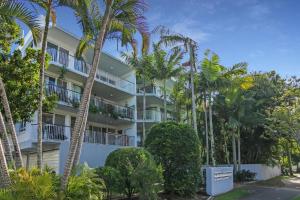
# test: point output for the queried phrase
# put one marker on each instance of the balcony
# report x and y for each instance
(63, 59)
(54, 133)
(72, 98)
(153, 116)
(153, 91)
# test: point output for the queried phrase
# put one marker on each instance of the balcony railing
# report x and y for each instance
(73, 98)
(54, 132)
(153, 90)
(64, 59)
(154, 116)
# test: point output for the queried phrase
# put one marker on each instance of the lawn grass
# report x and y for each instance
(273, 182)
(233, 195)
(296, 198)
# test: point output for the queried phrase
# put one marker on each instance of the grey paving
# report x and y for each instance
(267, 193)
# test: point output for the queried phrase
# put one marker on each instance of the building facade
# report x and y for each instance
(114, 119)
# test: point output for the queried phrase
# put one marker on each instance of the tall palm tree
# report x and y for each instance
(48, 6)
(11, 125)
(165, 67)
(141, 64)
(211, 70)
(5, 141)
(171, 39)
(9, 12)
(123, 15)
(4, 175)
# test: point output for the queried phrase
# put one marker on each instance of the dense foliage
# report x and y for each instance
(177, 148)
(37, 185)
(136, 172)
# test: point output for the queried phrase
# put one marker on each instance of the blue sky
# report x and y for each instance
(263, 33)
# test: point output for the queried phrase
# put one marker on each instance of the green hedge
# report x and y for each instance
(177, 148)
(137, 172)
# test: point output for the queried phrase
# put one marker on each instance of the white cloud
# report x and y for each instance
(191, 29)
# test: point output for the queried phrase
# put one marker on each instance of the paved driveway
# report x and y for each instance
(268, 193)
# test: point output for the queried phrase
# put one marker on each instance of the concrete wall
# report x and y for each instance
(263, 172)
(93, 154)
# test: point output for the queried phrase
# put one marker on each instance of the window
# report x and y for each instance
(62, 90)
(52, 51)
(76, 93)
(80, 65)
(59, 120)
(48, 118)
(63, 57)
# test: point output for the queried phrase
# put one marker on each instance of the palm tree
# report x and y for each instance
(189, 45)
(141, 64)
(48, 6)
(4, 175)
(9, 12)
(12, 10)
(123, 15)
(5, 104)
(165, 67)
(5, 141)
(211, 70)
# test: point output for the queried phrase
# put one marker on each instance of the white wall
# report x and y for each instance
(92, 154)
(263, 172)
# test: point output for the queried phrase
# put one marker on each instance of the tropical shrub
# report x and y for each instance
(84, 185)
(30, 185)
(110, 176)
(177, 148)
(244, 176)
(138, 172)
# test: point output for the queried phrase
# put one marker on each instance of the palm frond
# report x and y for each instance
(10, 10)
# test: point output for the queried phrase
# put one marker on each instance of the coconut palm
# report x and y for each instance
(166, 65)
(211, 70)
(141, 64)
(10, 10)
(48, 6)
(10, 123)
(174, 39)
(121, 19)
(5, 141)
(4, 175)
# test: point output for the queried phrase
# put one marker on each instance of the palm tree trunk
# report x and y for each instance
(234, 153)
(79, 145)
(288, 148)
(144, 109)
(84, 104)
(7, 151)
(5, 179)
(212, 140)
(41, 92)
(5, 104)
(239, 149)
(165, 102)
(192, 62)
(206, 130)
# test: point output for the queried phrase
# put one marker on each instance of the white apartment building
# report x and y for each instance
(114, 119)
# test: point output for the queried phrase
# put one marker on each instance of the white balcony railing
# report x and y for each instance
(71, 63)
(59, 133)
(154, 116)
(154, 91)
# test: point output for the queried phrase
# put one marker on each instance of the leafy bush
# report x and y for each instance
(138, 172)
(177, 148)
(32, 185)
(85, 186)
(110, 177)
(36, 185)
(244, 176)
